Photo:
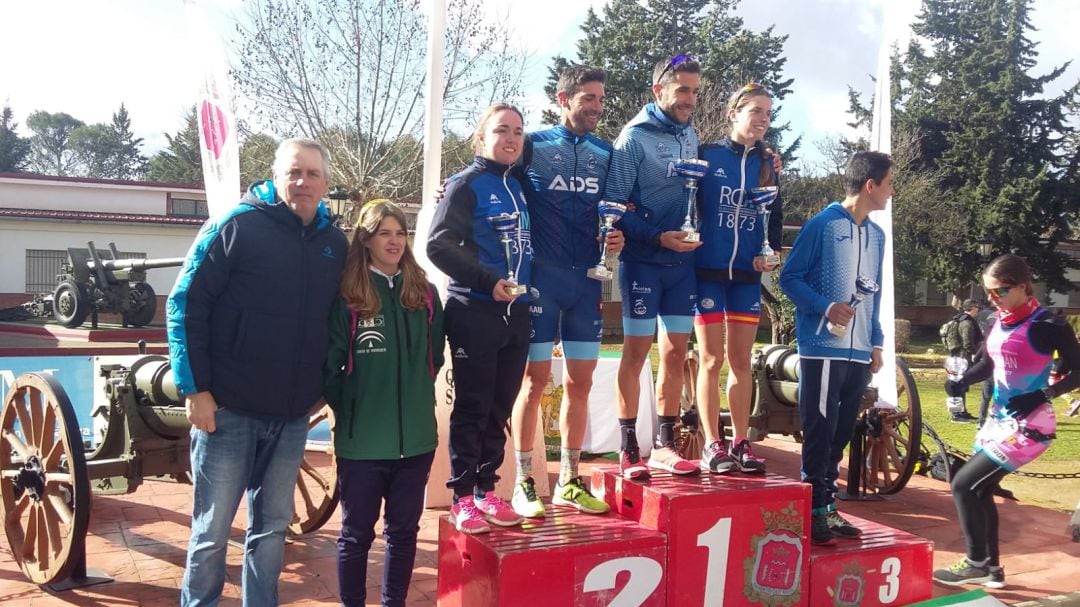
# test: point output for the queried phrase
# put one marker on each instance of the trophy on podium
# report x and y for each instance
(863, 287)
(691, 170)
(610, 212)
(763, 197)
(504, 224)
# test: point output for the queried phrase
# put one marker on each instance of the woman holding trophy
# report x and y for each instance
(480, 238)
(741, 217)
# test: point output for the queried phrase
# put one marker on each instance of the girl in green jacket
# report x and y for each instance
(386, 345)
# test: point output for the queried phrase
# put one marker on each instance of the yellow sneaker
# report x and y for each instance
(575, 495)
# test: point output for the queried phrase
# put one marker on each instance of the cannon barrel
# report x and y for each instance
(113, 265)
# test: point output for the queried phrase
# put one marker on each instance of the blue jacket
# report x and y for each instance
(731, 228)
(830, 253)
(564, 182)
(464, 245)
(643, 173)
(247, 317)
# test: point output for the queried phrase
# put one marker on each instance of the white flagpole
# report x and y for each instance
(217, 120)
(432, 141)
(881, 141)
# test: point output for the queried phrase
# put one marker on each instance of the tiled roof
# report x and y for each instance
(101, 217)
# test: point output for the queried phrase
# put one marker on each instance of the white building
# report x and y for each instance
(41, 216)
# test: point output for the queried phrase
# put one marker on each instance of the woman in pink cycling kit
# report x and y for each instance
(1018, 353)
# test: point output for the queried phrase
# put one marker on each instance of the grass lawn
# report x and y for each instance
(925, 360)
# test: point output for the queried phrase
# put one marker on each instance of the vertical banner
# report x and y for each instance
(217, 120)
(881, 141)
(433, 134)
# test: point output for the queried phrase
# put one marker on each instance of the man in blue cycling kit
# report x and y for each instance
(565, 169)
(657, 273)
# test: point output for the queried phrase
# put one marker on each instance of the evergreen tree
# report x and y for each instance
(181, 161)
(984, 125)
(630, 37)
(50, 152)
(128, 162)
(94, 147)
(14, 150)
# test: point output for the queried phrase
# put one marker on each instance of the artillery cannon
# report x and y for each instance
(47, 476)
(886, 444)
(89, 284)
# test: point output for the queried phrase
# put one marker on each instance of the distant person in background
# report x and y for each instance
(1019, 353)
(966, 338)
(986, 317)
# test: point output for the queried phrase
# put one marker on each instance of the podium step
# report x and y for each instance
(733, 540)
(568, 558)
(885, 566)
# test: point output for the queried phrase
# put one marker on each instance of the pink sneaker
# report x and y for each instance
(497, 512)
(631, 466)
(665, 458)
(745, 460)
(467, 518)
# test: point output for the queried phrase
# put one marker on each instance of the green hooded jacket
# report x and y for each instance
(384, 407)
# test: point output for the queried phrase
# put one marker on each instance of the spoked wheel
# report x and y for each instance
(893, 437)
(45, 490)
(316, 483)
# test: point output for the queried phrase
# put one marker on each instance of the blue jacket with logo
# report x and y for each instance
(731, 228)
(642, 173)
(462, 242)
(564, 182)
(830, 253)
(246, 318)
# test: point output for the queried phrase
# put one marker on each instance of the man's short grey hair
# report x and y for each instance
(301, 142)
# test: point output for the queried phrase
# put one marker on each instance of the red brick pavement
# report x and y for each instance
(140, 540)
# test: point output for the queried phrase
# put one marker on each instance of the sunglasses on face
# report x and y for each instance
(675, 61)
(998, 292)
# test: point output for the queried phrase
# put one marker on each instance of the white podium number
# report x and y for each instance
(888, 591)
(717, 540)
(645, 576)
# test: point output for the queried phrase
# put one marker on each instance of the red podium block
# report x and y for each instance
(732, 540)
(568, 559)
(885, 566)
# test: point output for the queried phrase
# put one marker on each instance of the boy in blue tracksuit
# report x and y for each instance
(835, 248)
(657, 273)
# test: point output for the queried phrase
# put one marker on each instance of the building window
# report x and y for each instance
(42, 266)
(187, 207)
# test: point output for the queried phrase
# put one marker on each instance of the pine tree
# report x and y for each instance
(128, 162)
(14, 150)
(50, 151)
(181, 162)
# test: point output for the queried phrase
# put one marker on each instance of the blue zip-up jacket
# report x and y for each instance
(830, 253)
(464, 245)
(564, 182)
(731, 228)
(246, 318)
(643, 173)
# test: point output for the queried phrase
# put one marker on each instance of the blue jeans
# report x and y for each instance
(364, 485)
(244, 453)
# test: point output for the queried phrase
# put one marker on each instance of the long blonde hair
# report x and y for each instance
(356, 286)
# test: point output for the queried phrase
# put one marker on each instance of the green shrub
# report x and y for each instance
(902, 334)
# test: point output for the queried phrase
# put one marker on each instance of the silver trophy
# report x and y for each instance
(691, 170)
(610, 212)
(863, 287)
(763, 198)
(505, 224)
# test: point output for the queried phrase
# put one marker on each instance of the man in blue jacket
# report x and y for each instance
(835, 248)
(657, 274)
(247, 340)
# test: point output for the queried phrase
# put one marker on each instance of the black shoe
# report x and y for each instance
(963, 572)
(963, 417)
(841, 527)
(820, 532)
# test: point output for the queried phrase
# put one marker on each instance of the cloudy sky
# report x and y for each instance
(85, 57)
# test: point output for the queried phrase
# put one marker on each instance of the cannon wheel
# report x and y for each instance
(44, 485)
(892, 453)
(316, 483)
(142, 302)
(71, 304)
